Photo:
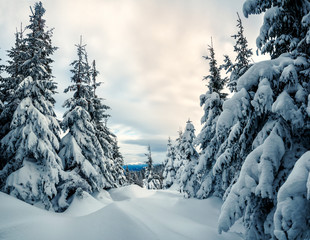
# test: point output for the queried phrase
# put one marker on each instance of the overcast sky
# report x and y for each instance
(149, 54)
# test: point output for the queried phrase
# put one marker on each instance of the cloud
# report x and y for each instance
(157, 145)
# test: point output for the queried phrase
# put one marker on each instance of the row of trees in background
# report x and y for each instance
(149, 176)
(37, 165)
(254, 146)
(192, 173)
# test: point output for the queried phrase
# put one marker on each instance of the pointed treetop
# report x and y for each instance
(149, 161)
(215, 82)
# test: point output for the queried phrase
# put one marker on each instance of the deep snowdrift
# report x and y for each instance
(125, 213)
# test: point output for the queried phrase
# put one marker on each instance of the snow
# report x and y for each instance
(125, 213)
(256, 176)
(261, 70)
(233, 109)
(263, 97)
(86, 204)
(248, 7)
(285, 107)
(292, 215)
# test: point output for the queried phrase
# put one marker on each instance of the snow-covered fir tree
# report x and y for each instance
(152, 180)
(18, 55)
(285, 27)
(2, 94)
(276, 94)
(214, 80)
(243, 58)
(30, 148)
(207, 140)
(81, 151)
(107, 139)
(291, 218)
(2, 90)
(169, 169)
(189, 157)
(208, 143)
(129, 176)
(178, 162)
(236, 128)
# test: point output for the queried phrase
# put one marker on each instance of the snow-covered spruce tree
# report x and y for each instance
(18, 55)
(293, 209)
(30, 148)
(236, 128)
(152, 180)
(129, 176)
(277, 91)
(208, 144)
(2, 90)
(242, 61)
(284, 29)
(169, 169)
(178, 162)
(189, 157)
(215, 82)
(212, 102)
(2, 93)
(106, 138)
(81, 151)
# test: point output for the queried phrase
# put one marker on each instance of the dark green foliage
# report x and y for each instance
(215, 82)
(242, 61)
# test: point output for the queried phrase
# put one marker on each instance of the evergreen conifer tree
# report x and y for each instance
(208, 143)
(189, 157)
(17, 55)
(2, 94)
(30, 148)
(2, 90)
(152, 180)
(106, 138)
(81, 150)
(129, 176)
(169, 170)
(285, 27)
(178, 163)
(215, 82)
(207, 140)
(273, 98)
(242, 61)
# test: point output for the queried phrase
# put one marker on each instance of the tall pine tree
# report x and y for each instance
(212, 102)
(242, 61)
(276, 93)
(107, 139)
(152, 180)
(285, 26)
(18, 55)
(81, 151)
(169, 169)
(189, 157)
(178, 163)
(30, 148)
(215, 82)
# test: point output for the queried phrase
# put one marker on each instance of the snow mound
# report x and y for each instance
(150, 214)
(84, 204)
(130, 192)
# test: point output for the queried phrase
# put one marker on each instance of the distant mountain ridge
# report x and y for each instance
(136, 166)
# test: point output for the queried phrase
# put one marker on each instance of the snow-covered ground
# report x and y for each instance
(126, 213)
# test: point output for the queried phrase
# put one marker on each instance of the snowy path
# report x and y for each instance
(126, 213)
